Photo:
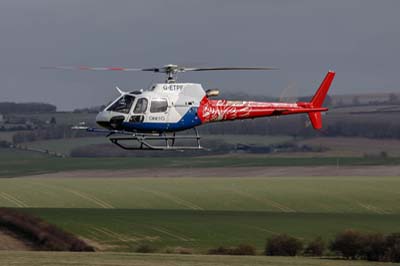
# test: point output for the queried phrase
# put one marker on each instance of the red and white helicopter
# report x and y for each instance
(148, 116)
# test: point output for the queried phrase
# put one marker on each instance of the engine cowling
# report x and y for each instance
(212, 93)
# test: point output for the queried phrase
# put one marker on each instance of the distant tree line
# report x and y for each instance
(349, 244)
(371, 124)
(23, 108)
(382, 126)
(374, 129)
(90, 110)
(56, 132)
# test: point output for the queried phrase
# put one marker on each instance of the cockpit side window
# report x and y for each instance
(158, 105)
(123, 105)
(141, 106)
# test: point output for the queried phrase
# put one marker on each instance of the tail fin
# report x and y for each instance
(318, 100)
(316, 119)
(320, 95)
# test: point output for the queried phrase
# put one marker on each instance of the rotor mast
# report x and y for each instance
(171, 71)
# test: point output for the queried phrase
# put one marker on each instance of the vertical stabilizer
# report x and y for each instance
(318, 100)
(322, 91)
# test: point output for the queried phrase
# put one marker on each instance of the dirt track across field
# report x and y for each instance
(9, 241)
(235, 172)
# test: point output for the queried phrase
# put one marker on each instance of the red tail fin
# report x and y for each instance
(320, 95)
(318, 100)
(316, 119)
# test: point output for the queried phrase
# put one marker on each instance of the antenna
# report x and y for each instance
(120, 91)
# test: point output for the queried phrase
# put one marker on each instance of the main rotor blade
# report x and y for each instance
(98, 68)
(168, 69)
(229, 68)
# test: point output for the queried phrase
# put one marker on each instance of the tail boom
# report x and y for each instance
(222, 110)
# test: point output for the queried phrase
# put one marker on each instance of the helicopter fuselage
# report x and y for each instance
(173, 107)
(163, 108)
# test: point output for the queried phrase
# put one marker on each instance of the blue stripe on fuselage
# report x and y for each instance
(189, 120)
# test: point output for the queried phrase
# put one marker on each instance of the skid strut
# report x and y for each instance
(146, 141)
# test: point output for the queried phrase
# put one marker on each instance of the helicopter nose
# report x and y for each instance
(108, 120)
(103, 119)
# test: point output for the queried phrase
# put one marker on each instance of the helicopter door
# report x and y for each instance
(139, 111)
(158, 110)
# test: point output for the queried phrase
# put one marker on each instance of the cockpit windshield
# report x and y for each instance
(123, 105)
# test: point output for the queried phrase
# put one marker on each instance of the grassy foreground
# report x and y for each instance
(124, 230)
(117, 214)
(131, 259)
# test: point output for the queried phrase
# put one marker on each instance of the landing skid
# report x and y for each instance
(148, 141)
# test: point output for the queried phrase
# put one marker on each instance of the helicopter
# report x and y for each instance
(157, 114)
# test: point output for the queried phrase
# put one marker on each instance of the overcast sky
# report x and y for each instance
(358, 39)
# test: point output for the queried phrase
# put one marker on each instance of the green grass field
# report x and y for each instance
(21, 163)
(124, 230)
(200, 213)
(369, 195)
(129, 259)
